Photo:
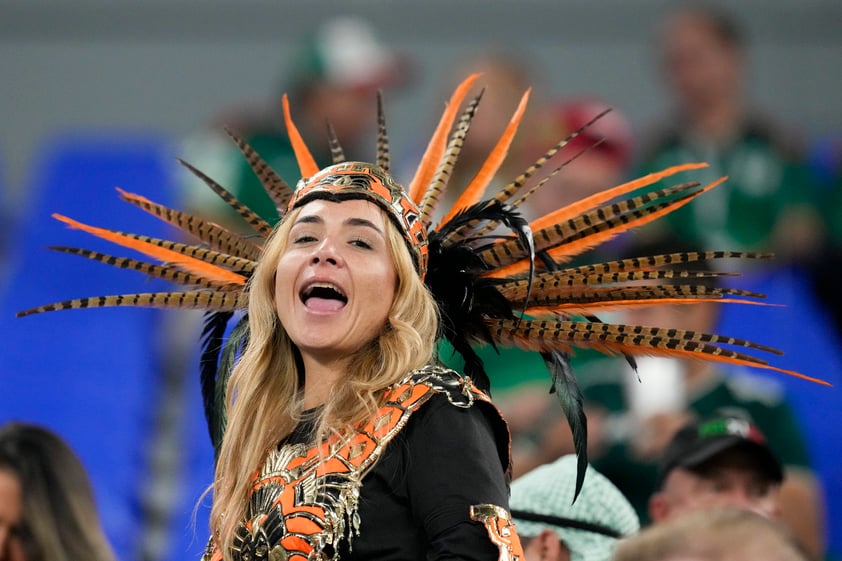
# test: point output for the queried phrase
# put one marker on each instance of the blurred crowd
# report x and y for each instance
(681, 437)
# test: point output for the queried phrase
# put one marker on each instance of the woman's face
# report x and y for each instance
(336, 280)
(11, 511)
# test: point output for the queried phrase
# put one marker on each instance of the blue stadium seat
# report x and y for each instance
(94, 375)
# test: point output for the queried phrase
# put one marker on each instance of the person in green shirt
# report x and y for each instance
(767, 202)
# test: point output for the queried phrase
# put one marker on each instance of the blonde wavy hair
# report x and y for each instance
(265, 390)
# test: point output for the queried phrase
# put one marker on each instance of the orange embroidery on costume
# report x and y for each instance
(501, 530)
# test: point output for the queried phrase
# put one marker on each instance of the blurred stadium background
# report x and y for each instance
(99, 93)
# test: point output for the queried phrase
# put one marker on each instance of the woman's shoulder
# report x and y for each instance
(454, 410)
(433, 379)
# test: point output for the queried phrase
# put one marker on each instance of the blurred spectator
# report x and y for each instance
(632, 419)
(553, 527)
(721, 460)
(47, 509)
(333, 78)
(765, 204)
(720, 534)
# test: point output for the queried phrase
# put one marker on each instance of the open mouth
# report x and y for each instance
(323, 296)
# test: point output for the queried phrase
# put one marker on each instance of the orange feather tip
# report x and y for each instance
(800, 375)
(306, 163)
(133, 197)
(75, 224)
(753, 363)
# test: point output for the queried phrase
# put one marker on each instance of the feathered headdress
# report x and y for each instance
(497, 279)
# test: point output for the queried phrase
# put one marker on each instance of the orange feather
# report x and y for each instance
(612, 305)
(578, 246)
(476, 188)
(597, 199)
(306, 162)
(438, 142)
(191, 264)
(720, 358)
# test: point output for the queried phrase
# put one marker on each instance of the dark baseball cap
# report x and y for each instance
(700, 441)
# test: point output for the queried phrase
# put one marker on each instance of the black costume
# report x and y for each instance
(380, 493)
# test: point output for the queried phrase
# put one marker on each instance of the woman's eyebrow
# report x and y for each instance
(365, 223)
(309, 219)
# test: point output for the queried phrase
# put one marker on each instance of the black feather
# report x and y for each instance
(454, 278)
(234, 345)
(213, 333)
(567, 391)
(569, 394)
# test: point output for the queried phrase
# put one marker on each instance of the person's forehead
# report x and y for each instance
(739, 468)
(340, 211)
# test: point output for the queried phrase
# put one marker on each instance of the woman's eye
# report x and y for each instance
(304, 238)
(361, 243)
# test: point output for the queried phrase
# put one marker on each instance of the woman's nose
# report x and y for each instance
(326, 252)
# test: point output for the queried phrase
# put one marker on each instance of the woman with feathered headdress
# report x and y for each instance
(338, 434)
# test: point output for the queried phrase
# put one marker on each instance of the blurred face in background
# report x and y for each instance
(11, 510)
(732, 478)
(351, 111)
(700, 66)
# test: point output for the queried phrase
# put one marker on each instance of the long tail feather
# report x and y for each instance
(252, 218)
(568, 239)
(383, 156)
(212, 234)
(235, 264)
(655, 262)
(477, 229)
(564, 298)
(190, 264)
(632, 339)
(278, 190)
(220, 301)
(337, 154)
(591, 202)
(440, 180)
(550, 282)
(509, 190)
(150, 269)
